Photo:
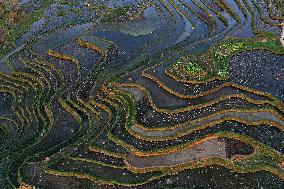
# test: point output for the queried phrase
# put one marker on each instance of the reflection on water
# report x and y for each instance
(147, 25)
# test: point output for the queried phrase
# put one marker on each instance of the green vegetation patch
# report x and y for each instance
(227, 49)
(194, 67)
(222, 56)
(214, 63)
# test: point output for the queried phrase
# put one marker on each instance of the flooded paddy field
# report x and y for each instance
(141, 94)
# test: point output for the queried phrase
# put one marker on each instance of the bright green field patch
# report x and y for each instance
(194, 67)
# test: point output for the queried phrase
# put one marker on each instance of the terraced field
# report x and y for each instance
(141, 94)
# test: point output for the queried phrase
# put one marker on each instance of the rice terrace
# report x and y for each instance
(142, 94)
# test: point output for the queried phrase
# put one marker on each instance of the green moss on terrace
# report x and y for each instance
(194, 67)
(215, 61)
(223, 53)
